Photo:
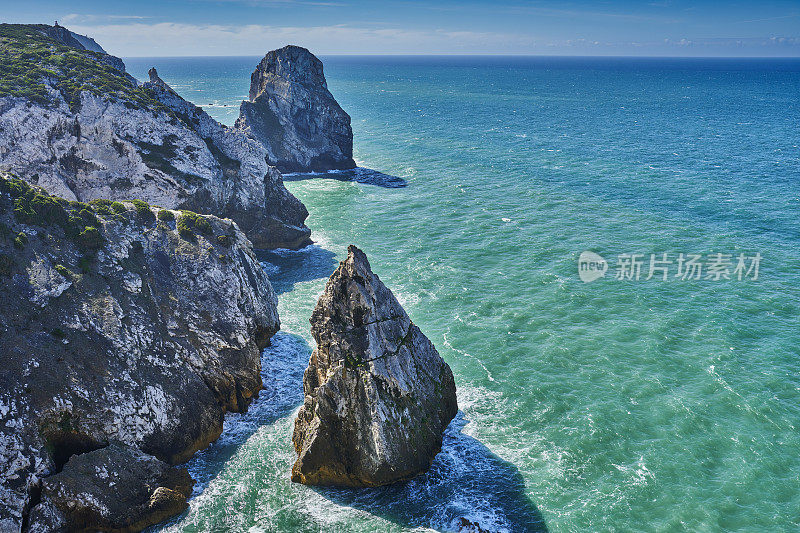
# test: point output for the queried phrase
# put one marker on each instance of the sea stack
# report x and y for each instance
(377, 394)
(292, 113)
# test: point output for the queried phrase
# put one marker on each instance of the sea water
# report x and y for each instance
(611, 405)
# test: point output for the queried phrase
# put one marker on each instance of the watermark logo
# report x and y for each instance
(591, 266)
(665, 266)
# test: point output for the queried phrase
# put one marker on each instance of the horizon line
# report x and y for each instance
(576, 56)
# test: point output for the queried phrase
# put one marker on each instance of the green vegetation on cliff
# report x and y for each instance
(33, 206)
(188, 222)
(30, 61)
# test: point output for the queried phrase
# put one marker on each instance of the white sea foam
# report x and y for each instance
(464, 353)
(282, 365)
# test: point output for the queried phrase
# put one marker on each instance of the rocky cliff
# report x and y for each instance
(276, 218)
(377, 394)
(73, 123)
(294, 115)
(116, 488)
(122, 324)
(81, 42)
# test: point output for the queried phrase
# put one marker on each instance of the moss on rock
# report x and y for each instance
(20, 240)
(143, 211)
(189, 221)
(34, 207)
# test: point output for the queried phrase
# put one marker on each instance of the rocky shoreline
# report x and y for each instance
(120, 323)
(135, 309)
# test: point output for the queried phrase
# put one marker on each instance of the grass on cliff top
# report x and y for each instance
(33, 206)
(28, 59)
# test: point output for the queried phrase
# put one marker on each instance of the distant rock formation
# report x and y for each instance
(377, 394)
(62, 35)
(123, 323)
(292, 113)
(102, 136)
(157, 83)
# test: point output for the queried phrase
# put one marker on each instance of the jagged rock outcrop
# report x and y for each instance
(277, 218)
(122, 323)
(377, 394)
(86, 131)
(293, 114)
(116, 488)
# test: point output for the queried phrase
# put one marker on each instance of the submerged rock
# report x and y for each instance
(377, 394)
(119, 322)
(90, 132)
(116, 488)
(294, 115)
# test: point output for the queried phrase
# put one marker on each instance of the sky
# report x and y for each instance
(150, 28)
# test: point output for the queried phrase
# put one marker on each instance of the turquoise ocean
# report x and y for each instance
(614, 405)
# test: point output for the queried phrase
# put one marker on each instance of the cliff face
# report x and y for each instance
(377, 394)
(268, 213)
(116, 488)
(84, 130)
(119, 323)
(294, 115)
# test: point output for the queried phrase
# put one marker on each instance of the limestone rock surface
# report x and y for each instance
(377, 394)
(116, 488)
(257, 198)
(294, 115)
(120, 323)
(89, 131)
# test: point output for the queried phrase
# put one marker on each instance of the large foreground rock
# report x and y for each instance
(294, 115)
(116, 488)
(75, 124)
(118, 326)
(377, 394)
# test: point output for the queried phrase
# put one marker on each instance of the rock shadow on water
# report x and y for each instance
(467, 489)
(282, 367)
(285, 267)
(363, 175)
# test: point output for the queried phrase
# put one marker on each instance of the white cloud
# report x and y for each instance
(76, 18)
(178, 39)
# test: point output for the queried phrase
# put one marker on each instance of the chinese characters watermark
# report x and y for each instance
(666, 266)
